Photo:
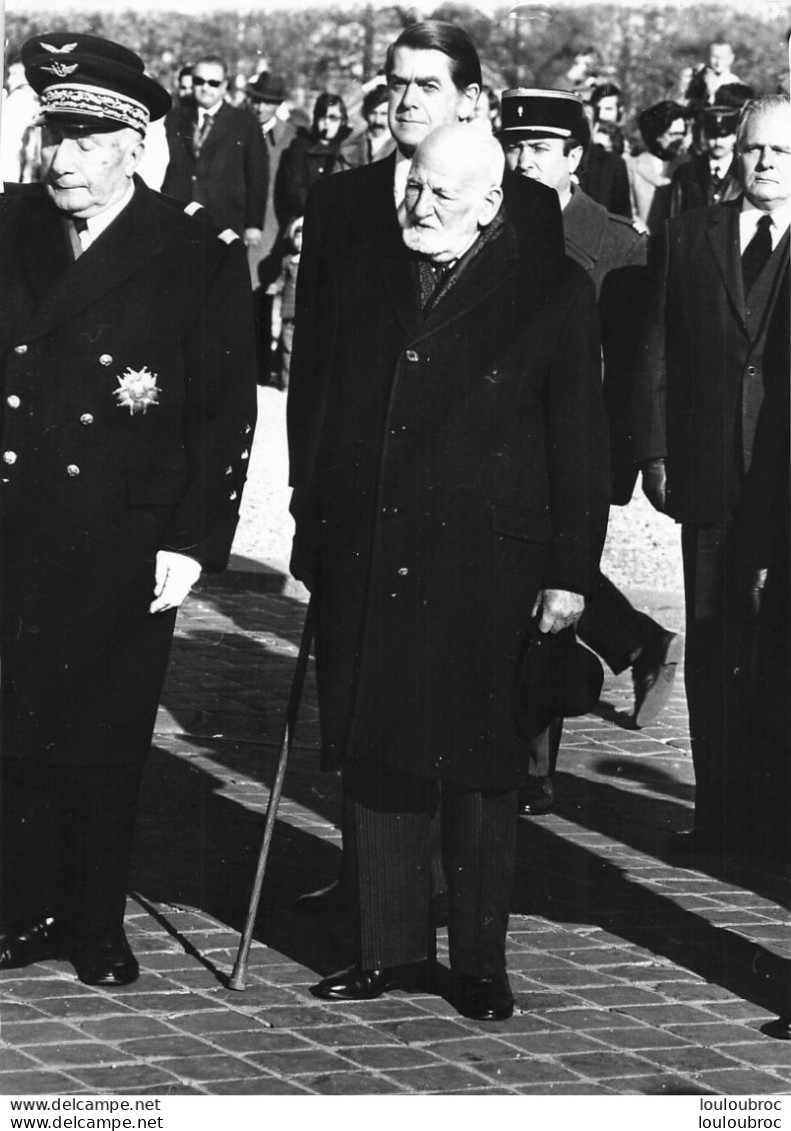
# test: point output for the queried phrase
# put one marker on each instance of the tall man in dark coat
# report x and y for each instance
(434, 78)
(545, 134)
(128, 396)
(460, 484)
(217, 155)
(717, 360)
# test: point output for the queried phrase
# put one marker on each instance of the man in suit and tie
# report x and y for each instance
(128, 389)
(713, 367)
(434, 78)
(460, 484)
(217, 155)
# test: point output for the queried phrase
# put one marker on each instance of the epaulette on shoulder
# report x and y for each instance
(193, 207)
(227, 236)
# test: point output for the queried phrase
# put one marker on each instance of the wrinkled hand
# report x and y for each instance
(251, 237)
(174, 576)
(560, 608)
(654, 484)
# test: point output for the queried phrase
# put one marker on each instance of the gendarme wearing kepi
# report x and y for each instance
(88, 81)
(528, 112)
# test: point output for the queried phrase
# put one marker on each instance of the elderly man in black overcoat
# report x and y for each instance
(712, 434)
(461, 481)
(434, 78)
(128, 395)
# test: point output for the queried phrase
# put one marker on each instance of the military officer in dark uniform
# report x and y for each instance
(711, 175)
(128, 403)
(545, 134)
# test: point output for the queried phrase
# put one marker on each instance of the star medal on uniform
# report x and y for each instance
(138, 389)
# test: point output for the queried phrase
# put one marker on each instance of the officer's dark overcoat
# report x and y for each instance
(462, 466)
(128, 404)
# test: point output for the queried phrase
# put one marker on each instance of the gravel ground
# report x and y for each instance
(642, 551)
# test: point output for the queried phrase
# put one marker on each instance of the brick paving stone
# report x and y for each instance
(741, 1082)
(174, 1044)
(124, 1028)
(82, 1008)
(605, 1064)
(438, 1078)
(620, 995)
(127, 1076)
(17, 1011)
(217, 1067)
(556, 1043)
(740, 1011)
(221, 1021)
(36, 1084)
(663, 1084)
(171, 1004)
(383, 1009)
(670, 1013)
(258, 1040)
(644, 1037)
(579, 1088)
(765, 1053)
(301, 1062)
(12, 1061)
(66, 1053)
(41, 1032)
(691, 1060)
(350, 1036)
(423, 1030)
(386, 1057)
(296, 1016)
(354, 1084)
(715, 1033)
(591, 1019)
(526, 1070)
(269, 1086)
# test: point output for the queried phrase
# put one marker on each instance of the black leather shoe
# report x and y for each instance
(484, 999)
(32, 941)
(326, 901)
(356, 984)
(105, 960)
(537, 797)
(653, 674)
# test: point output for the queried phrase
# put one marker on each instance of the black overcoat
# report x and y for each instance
(230, 175)
(90, 490)
(462, 466)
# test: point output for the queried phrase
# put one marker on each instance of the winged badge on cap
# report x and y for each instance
(61, 69)
(64, 50)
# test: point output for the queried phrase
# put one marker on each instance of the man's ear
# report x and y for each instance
(490, 206)
(467, 101)
(574, 158)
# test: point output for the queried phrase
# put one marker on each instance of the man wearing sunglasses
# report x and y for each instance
(217, 155)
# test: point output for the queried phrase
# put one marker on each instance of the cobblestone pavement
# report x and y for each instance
(632, 975)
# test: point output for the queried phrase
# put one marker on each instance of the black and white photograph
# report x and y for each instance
(395, 561)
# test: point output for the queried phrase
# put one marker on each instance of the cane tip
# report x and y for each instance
(237, 981)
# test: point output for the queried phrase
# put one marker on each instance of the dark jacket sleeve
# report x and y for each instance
(650, 398)
(220, 413)
(576, 446)
(256, 173)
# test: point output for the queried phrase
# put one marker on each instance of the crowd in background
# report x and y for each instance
(644, 163)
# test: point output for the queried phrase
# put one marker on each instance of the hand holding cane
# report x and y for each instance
(239, 976)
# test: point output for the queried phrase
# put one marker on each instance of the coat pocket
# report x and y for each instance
(155, 487)
(521, 522)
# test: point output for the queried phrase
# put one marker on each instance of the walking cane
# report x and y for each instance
(239, 976)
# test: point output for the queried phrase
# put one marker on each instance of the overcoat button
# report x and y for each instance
(751, 370)
(86, 418)
(72, 470)
(13, 401)
(412, 355)
(20, 349)
(9, 457)
(106, 359)
(229, 471)
(403, 571)
(232, 496)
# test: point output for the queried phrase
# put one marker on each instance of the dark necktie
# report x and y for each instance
(200, 132)
(757, 253)
(75, 227)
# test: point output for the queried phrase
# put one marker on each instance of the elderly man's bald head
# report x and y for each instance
(453, 190)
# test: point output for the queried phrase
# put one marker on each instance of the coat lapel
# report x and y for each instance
(723, 240)
(131, 241)
(399, 273)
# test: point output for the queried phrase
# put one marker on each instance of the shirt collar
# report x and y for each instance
(750, 215)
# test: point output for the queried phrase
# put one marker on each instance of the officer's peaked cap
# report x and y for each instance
(87, 81)
(528, 113)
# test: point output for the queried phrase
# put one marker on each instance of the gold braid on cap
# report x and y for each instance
(95, 102)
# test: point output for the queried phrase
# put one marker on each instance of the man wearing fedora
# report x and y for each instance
(128, 397)
(459, 492)
(217, 155)
(545, 134)
(267, 98)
